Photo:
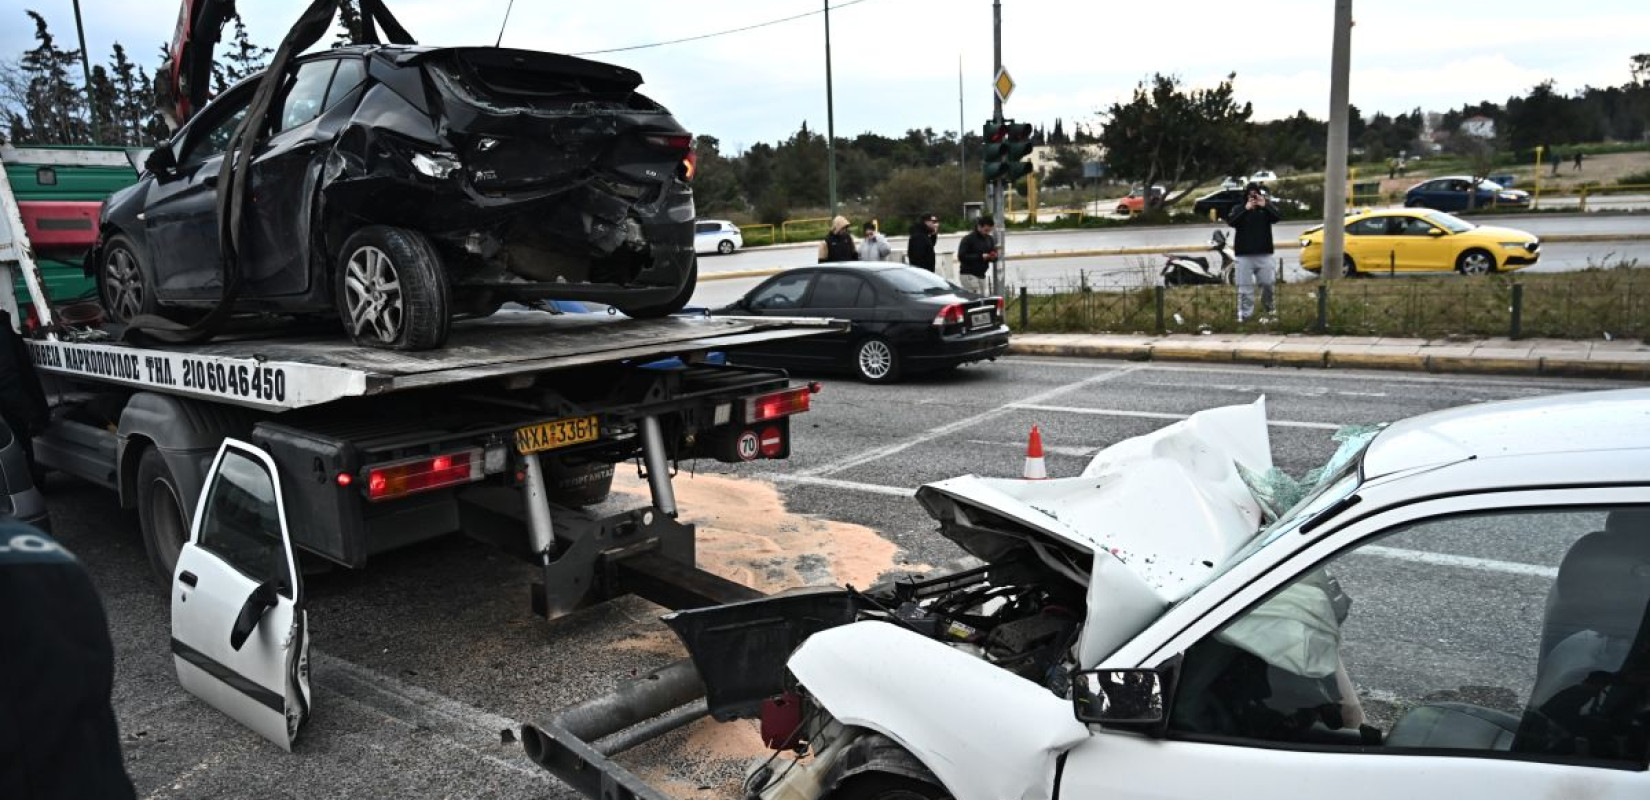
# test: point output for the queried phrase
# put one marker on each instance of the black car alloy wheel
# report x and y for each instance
(392, 291)
(120, 282)
(875, 361)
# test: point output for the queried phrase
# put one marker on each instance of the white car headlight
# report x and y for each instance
(1306, 242)
(436, 165)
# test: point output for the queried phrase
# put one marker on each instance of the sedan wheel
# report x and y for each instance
(1476, 262)
(372, 294)
(875, 361)
(725, 247)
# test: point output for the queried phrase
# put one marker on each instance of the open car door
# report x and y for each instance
(240, 640)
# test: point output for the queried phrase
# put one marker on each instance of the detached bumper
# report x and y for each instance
(954, 350)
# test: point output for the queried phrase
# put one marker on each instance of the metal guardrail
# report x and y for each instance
(757, 234)
(816, 227)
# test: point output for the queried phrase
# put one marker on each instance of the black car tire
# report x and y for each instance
(669, 307)
(1348, 268)
(417, 314)
(163, 517)
(875, 360)
(1476, 262)
(121, 286)
(887, 786)
(725, 247)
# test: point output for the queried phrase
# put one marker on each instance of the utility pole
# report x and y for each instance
(962, 136)
(830, 114)
(1334, 181)
(998, 190)
(86, 70)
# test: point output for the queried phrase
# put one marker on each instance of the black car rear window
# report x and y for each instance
(910, 280)
(538, 90)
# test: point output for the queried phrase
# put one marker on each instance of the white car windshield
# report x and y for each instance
(1448, 222)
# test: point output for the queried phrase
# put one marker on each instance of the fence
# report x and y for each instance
(1585, 304)
(757, 235)
(793, 230)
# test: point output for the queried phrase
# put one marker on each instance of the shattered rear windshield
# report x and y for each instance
(505, 88)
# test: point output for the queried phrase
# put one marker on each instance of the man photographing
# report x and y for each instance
(975, 254)
(1253, 246)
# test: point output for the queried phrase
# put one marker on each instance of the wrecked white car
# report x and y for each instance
(1457, 607)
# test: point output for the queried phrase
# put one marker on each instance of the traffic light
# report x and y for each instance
(1007, 144)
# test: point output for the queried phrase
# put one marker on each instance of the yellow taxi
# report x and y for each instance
(1423, 240)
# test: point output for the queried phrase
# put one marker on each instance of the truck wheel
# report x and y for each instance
(120, 282)
(161, 514)
(887, 786)
(392, 290)
(671, 306)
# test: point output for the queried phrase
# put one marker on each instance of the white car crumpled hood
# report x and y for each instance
(1158, 512)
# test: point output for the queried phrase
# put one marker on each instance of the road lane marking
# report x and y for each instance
(1118, 412)
(1541, 385)
(463, 726)
(879, 453)
(1464, 562)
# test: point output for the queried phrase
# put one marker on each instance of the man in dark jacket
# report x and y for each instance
(919, 252)
(1252, 244)
(22, 403)
(58, 737)
(839, 243)
(975, 254)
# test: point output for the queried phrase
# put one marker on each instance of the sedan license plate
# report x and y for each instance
(979, 319)
(556, 433)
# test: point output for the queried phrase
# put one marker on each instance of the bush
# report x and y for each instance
(1635, 179)
(774, 208)
(908, 193)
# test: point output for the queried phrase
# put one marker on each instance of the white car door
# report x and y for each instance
(240, 639)
(1485, 646)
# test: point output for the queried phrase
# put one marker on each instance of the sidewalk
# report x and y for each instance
(1628, 359)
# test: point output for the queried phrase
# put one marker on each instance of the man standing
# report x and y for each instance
(873, 246)
(975, 255)
(919, 252)
(1253, 246)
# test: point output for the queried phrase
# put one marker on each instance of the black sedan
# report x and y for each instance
(905, 321)
(399, 186)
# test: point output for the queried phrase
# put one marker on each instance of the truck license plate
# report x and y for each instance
(556, 433)
(979, 319)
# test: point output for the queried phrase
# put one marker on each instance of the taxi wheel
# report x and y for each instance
(1348, 269)
(1475, 262)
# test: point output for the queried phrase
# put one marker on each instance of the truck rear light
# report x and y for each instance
(950, 315)
(424, 474)
(776, 405)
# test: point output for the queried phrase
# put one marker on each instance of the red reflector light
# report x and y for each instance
(1001, 305)
(345, 479)
(776, 405)
(673, 141)
(950, 315)
(424, 474)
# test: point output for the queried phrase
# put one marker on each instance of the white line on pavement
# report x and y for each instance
(959, 424)
(1521, 386)
(1465, 562)
(1118, 412)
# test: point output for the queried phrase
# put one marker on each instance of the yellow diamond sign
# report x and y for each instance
(1003, 84)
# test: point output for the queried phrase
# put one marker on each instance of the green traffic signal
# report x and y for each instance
(1007, 145)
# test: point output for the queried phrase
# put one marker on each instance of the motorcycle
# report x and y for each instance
(1184, 270)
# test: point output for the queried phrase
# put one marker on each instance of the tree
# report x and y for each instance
(105, 106)
(1639, 66)
(1179, 138)
(244, 58)
(1068, 166)
(349, 24)
(912, 191)
(52, 102)
(716, 184)
(130, 93)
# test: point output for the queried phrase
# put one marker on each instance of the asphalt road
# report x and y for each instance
(424, 658)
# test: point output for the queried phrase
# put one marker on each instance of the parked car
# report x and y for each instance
(1135, 201)
(1264, 176)
(1458, 606)
(400, 186)
(1422, 240)
(1451, 194)
(19, 496)
(716, 236)
(905, 320)
(1216, 205)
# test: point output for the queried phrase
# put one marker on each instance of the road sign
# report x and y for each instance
(1003, 84)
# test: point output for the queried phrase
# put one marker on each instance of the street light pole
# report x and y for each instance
(86, 70)
(830, 114)
(998, 189)
(962, 136)
(1334, 182)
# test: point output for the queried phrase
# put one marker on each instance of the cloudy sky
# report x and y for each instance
(896, 61)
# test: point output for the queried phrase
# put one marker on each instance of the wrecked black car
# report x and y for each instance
(399, 186)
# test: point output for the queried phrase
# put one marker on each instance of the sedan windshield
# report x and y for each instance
(1449, 223)
(918, 282)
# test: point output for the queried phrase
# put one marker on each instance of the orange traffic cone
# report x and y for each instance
(1034, 457)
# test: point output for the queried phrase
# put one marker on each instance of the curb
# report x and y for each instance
(1329, 359)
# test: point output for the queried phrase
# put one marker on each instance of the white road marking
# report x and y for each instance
(1118, 412)
(1521, 386)
(1465, 562)
(464, 726)
(834, 483)
(931, 434)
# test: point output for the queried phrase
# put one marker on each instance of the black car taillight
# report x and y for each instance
(680, 144)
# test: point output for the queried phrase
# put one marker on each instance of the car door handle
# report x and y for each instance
(187, 578)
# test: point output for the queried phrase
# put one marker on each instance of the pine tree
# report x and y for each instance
(53, 104)
(349, 24)
(131, 92)
(105, 107)
(244, 58)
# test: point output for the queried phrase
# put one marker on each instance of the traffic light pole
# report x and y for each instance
(998, 190)
(830, 114)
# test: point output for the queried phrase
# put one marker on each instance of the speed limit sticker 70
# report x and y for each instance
(749, 446)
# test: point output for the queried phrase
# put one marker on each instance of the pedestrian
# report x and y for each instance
(22, 402)
(873, 246)
(58, 733)
(1578, 160)
(925, 233)
(975, 255)
(1556, 160)
(1391, 168)
(839, 243)
(1252, 243)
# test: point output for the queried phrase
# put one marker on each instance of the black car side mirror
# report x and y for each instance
(1126, 699)
(260, 601)
(160, 162)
